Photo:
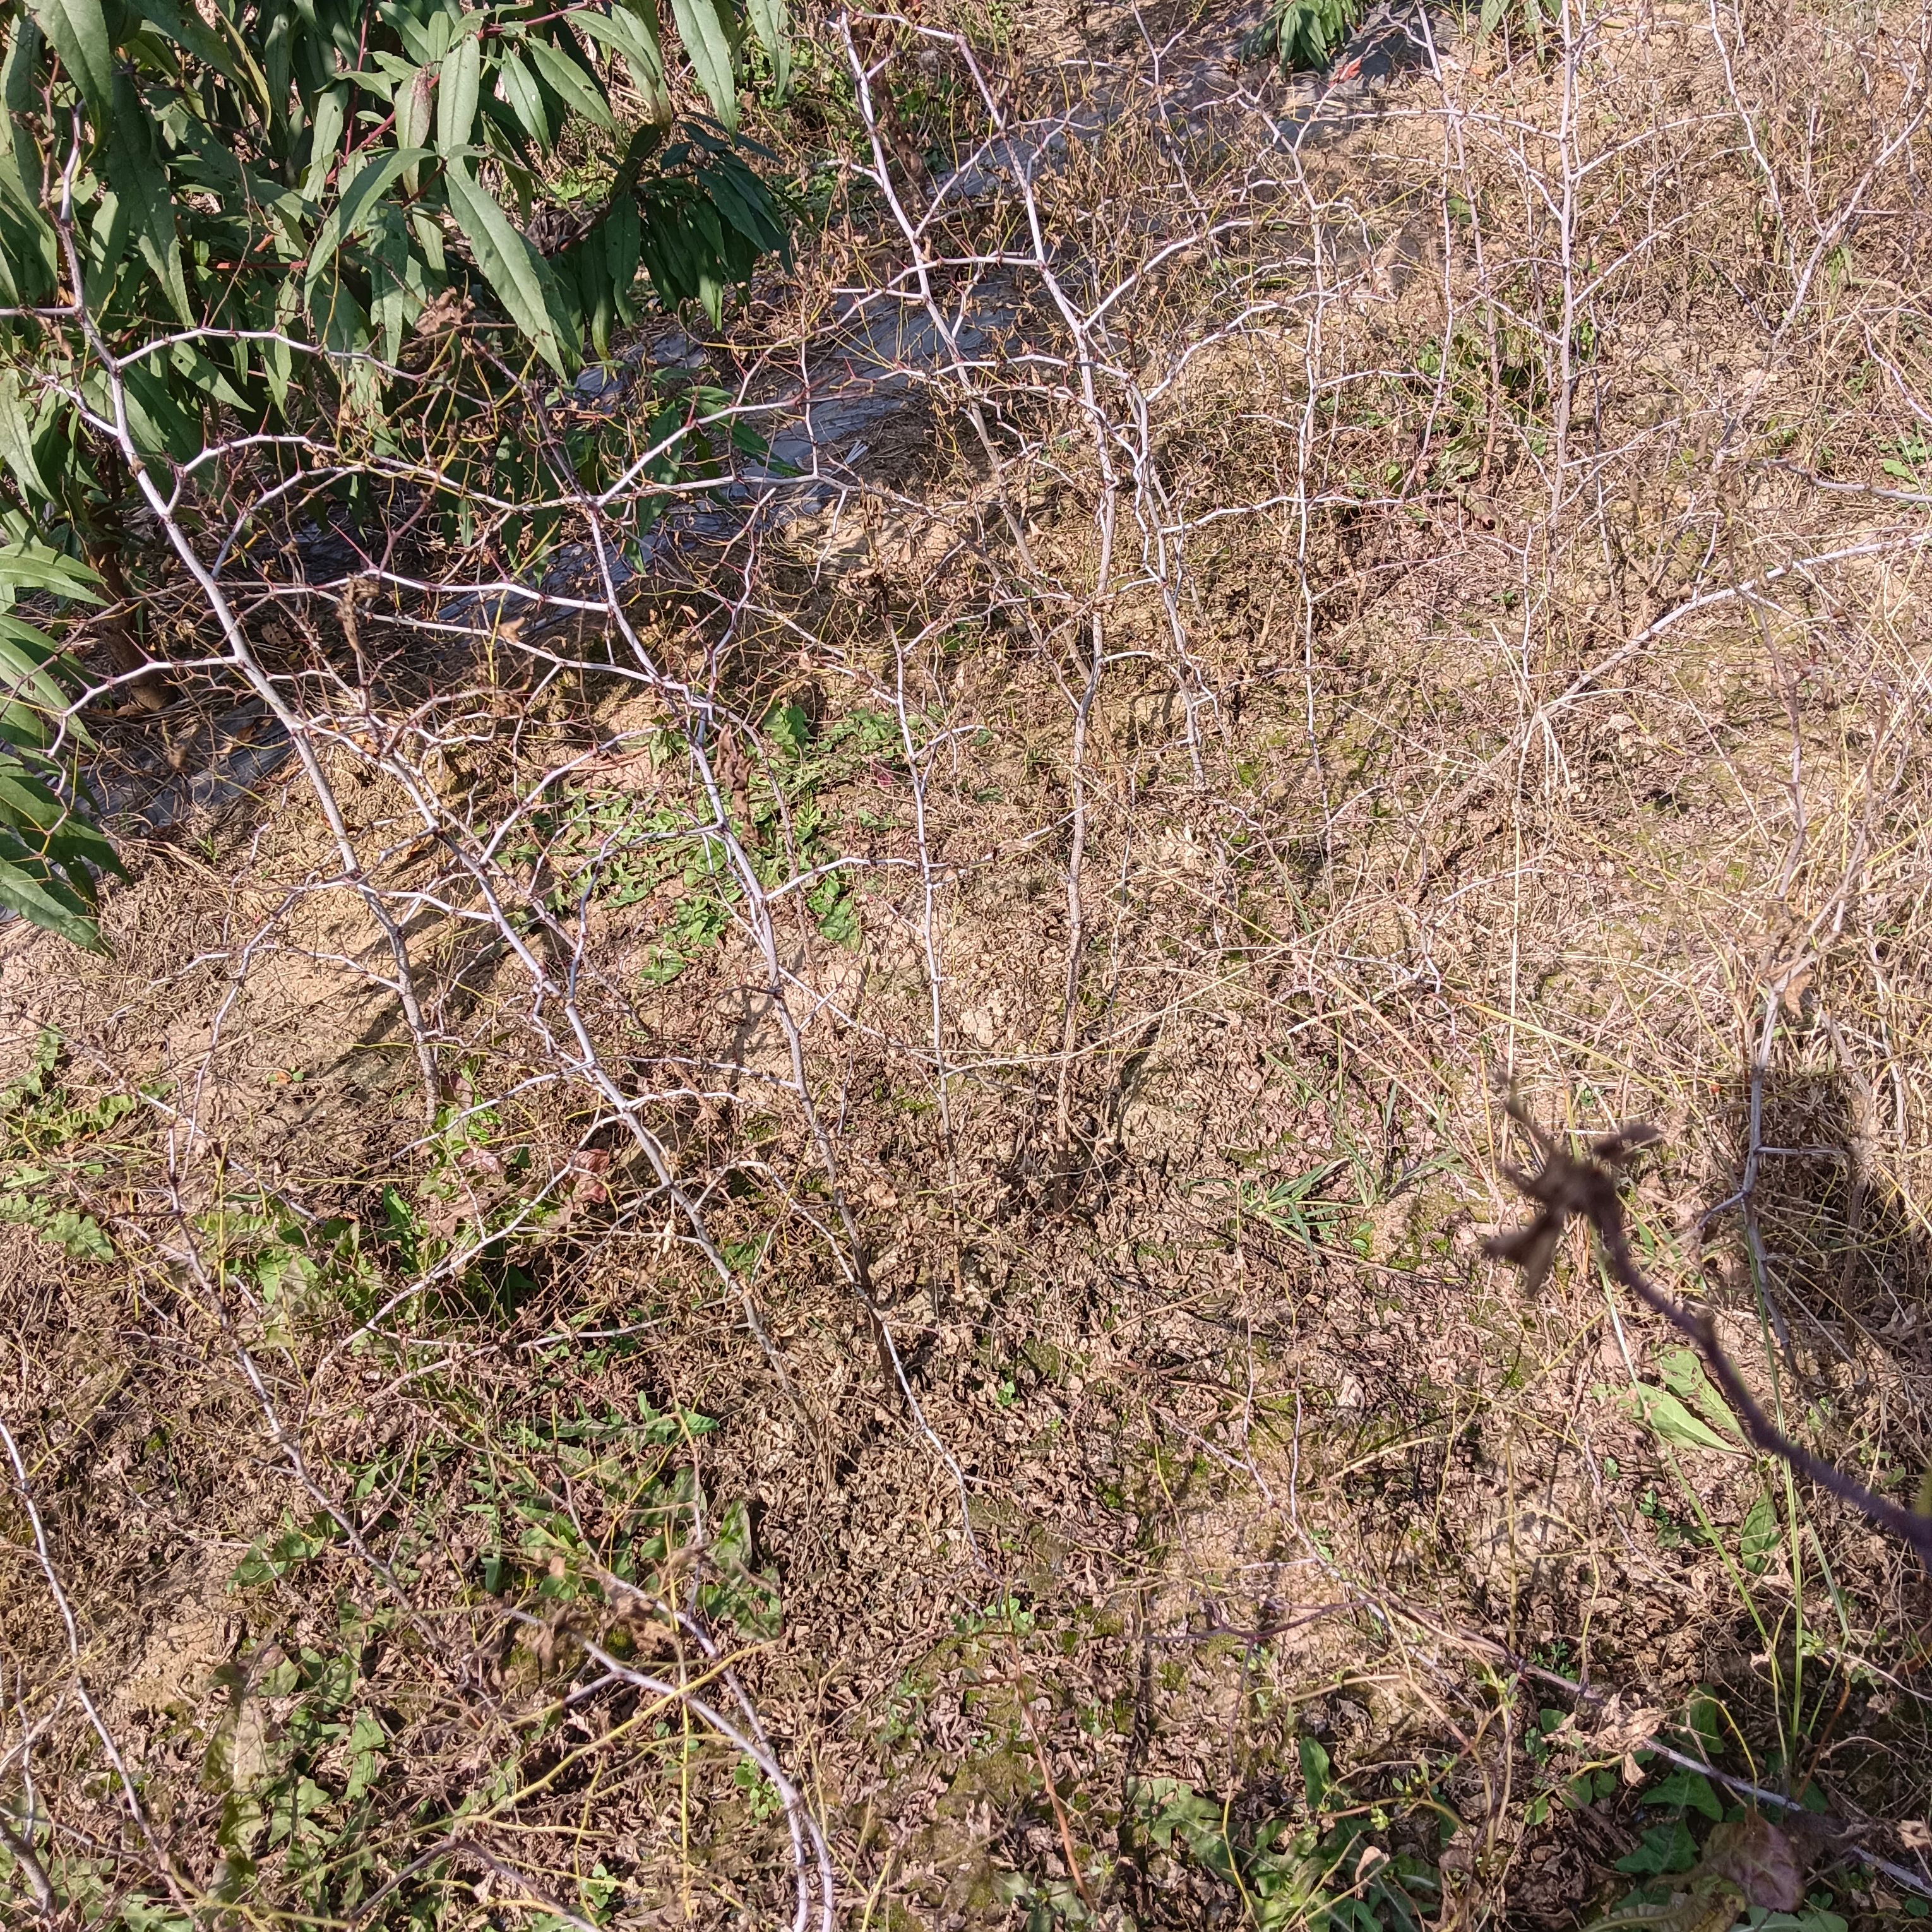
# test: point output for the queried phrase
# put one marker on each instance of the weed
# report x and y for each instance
(51, 1153)
(1334, 1872)
(1306, 33)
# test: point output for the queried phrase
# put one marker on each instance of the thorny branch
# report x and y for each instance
(1085, 234)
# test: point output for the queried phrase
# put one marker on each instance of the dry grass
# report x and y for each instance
(929, 1413)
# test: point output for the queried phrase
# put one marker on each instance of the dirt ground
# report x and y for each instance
(931, 1357)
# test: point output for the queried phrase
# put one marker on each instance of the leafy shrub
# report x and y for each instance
(249, 217)
(1306, 33)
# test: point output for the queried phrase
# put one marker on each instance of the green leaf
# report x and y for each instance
(415, 117)
(1316, 1772)
(29, 251)
(30, 701)
(1664, 1848)
(398, 287)
(417, 35)
(26, 802)
(743, 200)
(707, 42)
(525, 102)
(622, 240)
(331, 116)
(135, 173)
(32, 566)
(632, 30)
(77, 30)
(1759, 1539)
(112, 229)
(297, 1544)
(456, 93)
(1675, 1423)
(773, 31)
(512, 268)
(371, 183)
(366, 1743)
(570, 81)
(1683, 1374)
(16, 440)
(1689, 1788)
(24, 889)
(78, 1235)
(188, 31)
(156, 418)
(45, 834)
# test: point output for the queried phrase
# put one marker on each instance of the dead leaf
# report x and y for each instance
(1758, 1859)
(1618, 1731)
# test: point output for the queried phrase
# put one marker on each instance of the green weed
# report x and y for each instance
(1333, 1873)
(47, 1157)
(618, 849)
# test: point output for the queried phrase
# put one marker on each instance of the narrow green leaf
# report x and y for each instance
(19, 85)
(43, 824)
(752, 213)
(429, 241)
(135, 171)
(525, 101)
(397, 286)
(417, 36)
(331, 116)
(278, 359)
(621, 238)
(188, 31)
(349, 214)
(112, 229)
(632, 30)
(47, 905)
(25, 801)
(511, 267)
(773, 32)
(16, 441)
(570, 80)
(34, 566)
(30, 702)
(707, 43)
(457, 91)
(74, 844)
(158, 424)
(27, 250)
(77, 30)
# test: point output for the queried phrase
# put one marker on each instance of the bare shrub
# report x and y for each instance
(805, 1197)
